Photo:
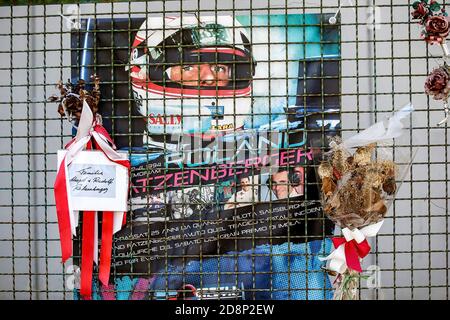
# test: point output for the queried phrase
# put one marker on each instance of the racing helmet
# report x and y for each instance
(171, 106)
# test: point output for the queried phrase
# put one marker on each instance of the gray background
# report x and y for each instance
(390, 72)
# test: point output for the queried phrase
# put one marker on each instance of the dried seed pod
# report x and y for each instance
(339, 160)
(350, 163)
(363, 155)
(328, 271)
(389, 186)
(328, 186)
(325, 170)
(388, 169)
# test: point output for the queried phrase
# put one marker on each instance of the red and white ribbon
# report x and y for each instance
(89, 133)
(350, 248)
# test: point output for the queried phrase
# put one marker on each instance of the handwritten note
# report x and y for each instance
(96, 181)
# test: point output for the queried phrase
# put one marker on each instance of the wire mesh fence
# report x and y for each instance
(382, 65)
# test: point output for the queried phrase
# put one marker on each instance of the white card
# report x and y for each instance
(95, 183)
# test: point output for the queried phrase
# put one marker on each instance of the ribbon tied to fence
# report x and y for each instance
(90, 134)
(350, 248)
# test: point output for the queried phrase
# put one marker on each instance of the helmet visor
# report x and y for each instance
(202, 58)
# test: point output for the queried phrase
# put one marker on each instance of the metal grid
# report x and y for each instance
(384, 64)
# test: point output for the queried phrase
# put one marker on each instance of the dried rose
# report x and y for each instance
(437, 29)
(420, 11)
(438, 84)
(389, 186)
(72, 96)
(363, 155)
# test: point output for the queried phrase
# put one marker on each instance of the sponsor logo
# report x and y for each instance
(223, 127)
(217, 112)
(162, 119)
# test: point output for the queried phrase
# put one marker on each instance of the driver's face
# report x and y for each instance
(245, 184)
(201, 75)
(281, 185)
